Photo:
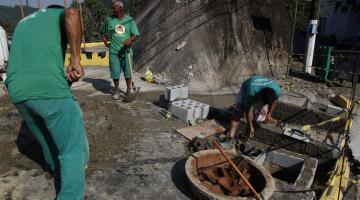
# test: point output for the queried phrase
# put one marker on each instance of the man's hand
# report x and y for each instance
(74, 72)
(127, 42)
(250, 132)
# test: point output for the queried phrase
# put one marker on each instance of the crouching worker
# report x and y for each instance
(260, 94)
(39, 88)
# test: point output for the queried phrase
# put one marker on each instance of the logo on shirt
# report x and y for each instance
(120, 29)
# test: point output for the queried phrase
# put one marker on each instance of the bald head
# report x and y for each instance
(118, 8)
(118, 3)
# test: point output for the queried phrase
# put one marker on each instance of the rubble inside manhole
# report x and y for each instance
(225, 181)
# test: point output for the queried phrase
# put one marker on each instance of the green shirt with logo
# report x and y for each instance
(36, 61)
(254, 85)
(119, 30)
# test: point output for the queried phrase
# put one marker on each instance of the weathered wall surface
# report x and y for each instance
(224, 41)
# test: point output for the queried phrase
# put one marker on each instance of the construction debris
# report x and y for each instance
(225, 181)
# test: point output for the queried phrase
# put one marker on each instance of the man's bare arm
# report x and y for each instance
(73, 32)
(131, 40)
(105, 40)
(271, 111)
(235, 118)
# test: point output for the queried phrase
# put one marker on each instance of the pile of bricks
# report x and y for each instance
(225, 181)
(177, 102)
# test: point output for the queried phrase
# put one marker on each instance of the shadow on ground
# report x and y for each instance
(178, 176)
(101, 85)
(30, 147)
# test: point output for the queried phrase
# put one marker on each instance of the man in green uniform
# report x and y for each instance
(256, 89)
(122, 31)
(39, 88)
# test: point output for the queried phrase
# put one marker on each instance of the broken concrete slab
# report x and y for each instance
(202, 130)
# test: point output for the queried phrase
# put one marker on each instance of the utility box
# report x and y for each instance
(4, 53)
(324, 63)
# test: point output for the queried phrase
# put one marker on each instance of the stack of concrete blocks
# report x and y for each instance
(177, 102)
(189, 110)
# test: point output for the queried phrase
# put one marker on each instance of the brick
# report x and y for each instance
(176, 92)
(225, 182)
(216, 189)
(189, 110)
(210, 175)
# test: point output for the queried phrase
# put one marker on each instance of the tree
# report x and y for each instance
(94, 14)
(303, 13)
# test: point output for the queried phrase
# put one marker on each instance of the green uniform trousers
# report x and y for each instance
(58, 126)
(119, 63)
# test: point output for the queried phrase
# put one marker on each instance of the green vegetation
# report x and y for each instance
(9, 16)
(303, 13)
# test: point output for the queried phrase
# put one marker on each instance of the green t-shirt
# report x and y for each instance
(36, 61)
(254, 85)
(119, 30)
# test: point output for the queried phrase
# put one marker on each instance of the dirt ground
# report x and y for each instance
(134, 151)
(134, 141)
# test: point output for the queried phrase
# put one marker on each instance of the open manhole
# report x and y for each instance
(283, 167)
(211, 177)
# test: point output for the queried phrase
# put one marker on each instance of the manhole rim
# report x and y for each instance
(197, 187)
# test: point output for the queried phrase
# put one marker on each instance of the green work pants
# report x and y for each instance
(58, 126)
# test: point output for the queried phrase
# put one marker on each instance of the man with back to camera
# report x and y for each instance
(122, 31)
(256, 89)
(39, 88)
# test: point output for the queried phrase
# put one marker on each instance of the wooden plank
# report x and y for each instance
(203, 130)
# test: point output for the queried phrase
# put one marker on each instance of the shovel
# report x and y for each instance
(132, 94)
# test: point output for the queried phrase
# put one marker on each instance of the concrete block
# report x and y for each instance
(259, 156)
(189, 110)
(334, 110)
(283, 159)
(176, 92)
(307, 174)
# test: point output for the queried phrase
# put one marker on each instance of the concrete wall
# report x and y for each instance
(224, 41)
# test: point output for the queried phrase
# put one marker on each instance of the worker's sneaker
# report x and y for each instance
(228, 144)
(128, 91)
(116, 95)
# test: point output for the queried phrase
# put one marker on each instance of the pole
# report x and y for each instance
(82, 24)
(311, 39)
(256, 194)
(22, 9)
(292, 38)
(38, 4)
(65, 3)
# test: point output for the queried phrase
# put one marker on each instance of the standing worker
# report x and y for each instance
(255, 90)
(122, 31)
(39, 88)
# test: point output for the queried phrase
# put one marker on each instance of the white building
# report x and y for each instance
(339, 18)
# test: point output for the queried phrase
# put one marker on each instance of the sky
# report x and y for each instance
(33, 3)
